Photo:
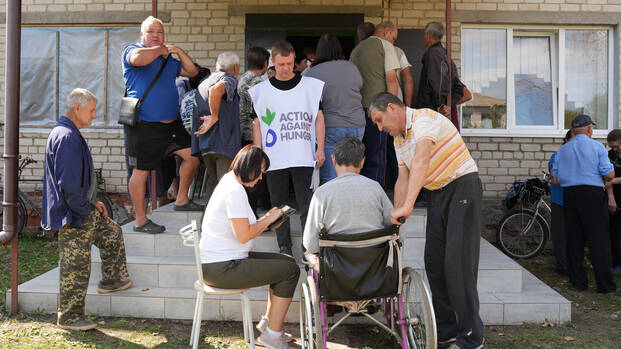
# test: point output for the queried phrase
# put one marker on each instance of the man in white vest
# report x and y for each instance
(289, 126)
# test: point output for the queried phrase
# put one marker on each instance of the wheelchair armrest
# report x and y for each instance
(390, 230)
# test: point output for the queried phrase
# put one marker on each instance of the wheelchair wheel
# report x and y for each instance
(419, 316)
(306, 320)
(310, 319)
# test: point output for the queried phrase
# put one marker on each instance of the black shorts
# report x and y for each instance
(150, 142)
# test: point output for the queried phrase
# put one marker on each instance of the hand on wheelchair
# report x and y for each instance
(313, 261)
(398, 215)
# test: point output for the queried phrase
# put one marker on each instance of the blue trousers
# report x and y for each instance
(333, 135)
(375, 152)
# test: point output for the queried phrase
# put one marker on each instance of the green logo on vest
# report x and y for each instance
(269, 116)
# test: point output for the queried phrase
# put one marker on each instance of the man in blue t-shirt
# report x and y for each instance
(581, 167)
(158, 134)
(559, 240)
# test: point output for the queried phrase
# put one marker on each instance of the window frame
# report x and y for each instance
(59, 99)
(557, 50)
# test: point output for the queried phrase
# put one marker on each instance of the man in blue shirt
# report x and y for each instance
(580, 167)
(159, 133)
(558, 218)
(70, 204)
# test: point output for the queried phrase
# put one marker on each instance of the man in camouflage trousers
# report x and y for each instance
(70, 204)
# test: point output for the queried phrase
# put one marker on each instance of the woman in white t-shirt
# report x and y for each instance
(228, 227)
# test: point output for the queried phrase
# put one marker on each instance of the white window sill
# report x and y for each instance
(478, 132)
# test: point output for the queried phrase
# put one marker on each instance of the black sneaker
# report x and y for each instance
(189, 206)
(113, 286)
(444, 344)
(286, 250)
(149, 227)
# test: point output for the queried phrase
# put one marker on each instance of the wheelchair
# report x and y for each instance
(366, 268)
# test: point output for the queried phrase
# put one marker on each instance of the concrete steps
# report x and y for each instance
(163, 271)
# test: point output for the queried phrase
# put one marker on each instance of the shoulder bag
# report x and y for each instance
(130, 106)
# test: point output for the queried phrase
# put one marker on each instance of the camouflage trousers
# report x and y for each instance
(74, 245)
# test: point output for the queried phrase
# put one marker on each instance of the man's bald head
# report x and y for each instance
(386, 31)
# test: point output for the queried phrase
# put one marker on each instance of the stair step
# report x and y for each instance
(163, 272)
(169, 243)
(536, 303)
(496, 271)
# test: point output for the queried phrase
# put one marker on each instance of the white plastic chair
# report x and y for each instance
(191, 237)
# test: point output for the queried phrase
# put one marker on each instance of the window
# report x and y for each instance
(55, 60)
(534, 81)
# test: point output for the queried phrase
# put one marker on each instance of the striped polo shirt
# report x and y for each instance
(450, 159)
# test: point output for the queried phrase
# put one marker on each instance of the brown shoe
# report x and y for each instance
(113, 286)
(79, 325)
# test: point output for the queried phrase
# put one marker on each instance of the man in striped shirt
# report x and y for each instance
(432, 154)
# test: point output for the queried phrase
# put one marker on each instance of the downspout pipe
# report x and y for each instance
(153, 173)
(11, 115)
(11, 138)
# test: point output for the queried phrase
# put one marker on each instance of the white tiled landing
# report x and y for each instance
(163, 272)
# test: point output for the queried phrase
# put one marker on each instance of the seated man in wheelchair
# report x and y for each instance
(350, 203)
(346, 205)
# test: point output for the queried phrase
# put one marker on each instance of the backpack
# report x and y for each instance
(188, 109)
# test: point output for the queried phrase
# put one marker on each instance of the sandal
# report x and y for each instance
(189, 206)
(150, 227)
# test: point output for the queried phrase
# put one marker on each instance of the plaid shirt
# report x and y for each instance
(246, 111)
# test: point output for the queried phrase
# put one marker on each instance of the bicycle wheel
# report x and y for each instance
(108, 203)
(520, 236)
(22, 215)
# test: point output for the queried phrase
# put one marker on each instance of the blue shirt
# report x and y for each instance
(66, 177)
(556, 192)
(582, 161)
(162, 103)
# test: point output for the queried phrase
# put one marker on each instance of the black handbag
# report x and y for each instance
(130, 106)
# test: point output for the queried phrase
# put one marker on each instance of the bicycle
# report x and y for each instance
(523, 232)
(101, 193)
(25, 207)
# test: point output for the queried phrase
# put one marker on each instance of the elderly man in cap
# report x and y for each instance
(581, 167)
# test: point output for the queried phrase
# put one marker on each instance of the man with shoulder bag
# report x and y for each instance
(149, 73)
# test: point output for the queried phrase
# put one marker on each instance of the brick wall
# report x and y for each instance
(205, 28)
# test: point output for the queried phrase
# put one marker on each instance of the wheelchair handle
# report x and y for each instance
(401, 220)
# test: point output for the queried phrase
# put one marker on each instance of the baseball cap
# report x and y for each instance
(581, 121)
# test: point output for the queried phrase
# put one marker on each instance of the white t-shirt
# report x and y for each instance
(218, 243)
(287, 120)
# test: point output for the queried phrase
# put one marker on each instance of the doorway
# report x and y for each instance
(301, 30)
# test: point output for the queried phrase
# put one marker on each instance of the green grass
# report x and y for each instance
(36, 255)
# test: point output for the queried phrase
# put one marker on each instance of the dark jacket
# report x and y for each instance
(433, 86)
(66, 177)
(224, 137)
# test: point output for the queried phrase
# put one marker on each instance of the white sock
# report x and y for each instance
(273, 333)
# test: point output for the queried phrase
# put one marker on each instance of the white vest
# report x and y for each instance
(287, 120)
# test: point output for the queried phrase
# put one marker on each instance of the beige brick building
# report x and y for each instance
(531, 64)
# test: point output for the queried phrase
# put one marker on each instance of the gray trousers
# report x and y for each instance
(452, 259)
(216, 166)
